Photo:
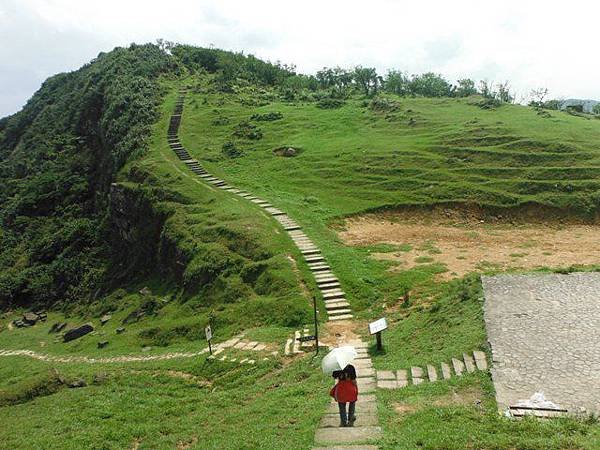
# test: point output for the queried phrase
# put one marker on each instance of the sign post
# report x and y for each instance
(375, 328)
(208, 333)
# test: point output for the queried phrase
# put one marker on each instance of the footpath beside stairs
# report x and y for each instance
(396, 379)
(329, 435)
(334, 297)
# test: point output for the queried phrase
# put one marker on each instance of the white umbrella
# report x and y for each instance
(338, 358)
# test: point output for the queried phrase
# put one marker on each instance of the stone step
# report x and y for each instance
(446, 373)
(332, 312)
(314, 259)
(330, 295)
(458, 366)
(342, 317)
(337, 305)
(310, 251)
(332, 420)
(362, 407)
(319, 268)
(416, 375)
(469, 363)
(431, 373)
(291, 227)
(325, 278)
(480, 360)
(329, 286)
(347, 435)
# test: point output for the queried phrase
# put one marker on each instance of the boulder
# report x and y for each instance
(77, 383)
(102, 344)
(120, 330)
(42, 315)
(30, 318)
(287, 152)
(99, 378)
(58, 326)
(18, 323)
(105, 318)
(76, 333)
(146, 291)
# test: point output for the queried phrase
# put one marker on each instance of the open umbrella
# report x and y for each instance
(338, 358)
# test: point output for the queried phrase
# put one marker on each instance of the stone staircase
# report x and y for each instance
(329, 435)
(329, 286)
(396, 379)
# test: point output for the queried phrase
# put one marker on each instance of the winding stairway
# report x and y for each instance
(329, 286)
(328, 433)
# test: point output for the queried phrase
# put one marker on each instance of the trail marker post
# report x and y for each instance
(208, 333)
(376, 328)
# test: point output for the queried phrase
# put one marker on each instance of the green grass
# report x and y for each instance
(263, 406)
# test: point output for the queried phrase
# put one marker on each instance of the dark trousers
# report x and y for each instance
(350, 415)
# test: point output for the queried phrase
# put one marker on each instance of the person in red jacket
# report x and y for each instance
(345, 391)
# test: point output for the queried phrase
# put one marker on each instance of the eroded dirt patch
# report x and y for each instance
(467, 243)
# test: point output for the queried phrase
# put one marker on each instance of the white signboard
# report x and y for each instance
(377, 326)
(208, 333)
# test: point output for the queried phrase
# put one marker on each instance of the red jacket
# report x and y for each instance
(344, 391)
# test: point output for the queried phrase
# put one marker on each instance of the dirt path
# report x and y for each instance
(465, 246)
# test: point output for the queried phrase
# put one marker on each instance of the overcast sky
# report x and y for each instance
(530, 43)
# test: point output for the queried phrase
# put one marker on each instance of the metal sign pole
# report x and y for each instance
(316, 325)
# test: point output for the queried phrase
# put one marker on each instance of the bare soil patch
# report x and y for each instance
(466, 242)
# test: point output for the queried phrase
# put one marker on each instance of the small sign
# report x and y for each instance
(307, 338)
(377, 326)
(208, 333)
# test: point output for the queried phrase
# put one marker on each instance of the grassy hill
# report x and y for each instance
(206, 255)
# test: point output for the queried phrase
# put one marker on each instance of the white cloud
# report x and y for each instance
(531, 43)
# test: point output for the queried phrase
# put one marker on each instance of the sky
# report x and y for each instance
(530, 43)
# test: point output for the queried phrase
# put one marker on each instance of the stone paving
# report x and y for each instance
(544, 331)
(336, 305)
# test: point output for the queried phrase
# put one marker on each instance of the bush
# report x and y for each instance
(383, 104)
(330, 103)
(231, 151)
(267, 117)
(247, 130)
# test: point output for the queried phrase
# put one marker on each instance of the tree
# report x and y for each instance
(396, 82)
(367, 80)
(504, 94)
(430, 85)
(596, 109)
(537, 96)
(465, 88)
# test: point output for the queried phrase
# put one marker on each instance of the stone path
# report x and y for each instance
(329, 286)
(396, 379)
(366, 428)
(544, 334)
(330, 435)
(218, 350)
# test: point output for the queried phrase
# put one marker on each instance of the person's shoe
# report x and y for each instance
(342, 424)
(351, 421)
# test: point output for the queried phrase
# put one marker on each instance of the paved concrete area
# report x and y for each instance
(544, 331)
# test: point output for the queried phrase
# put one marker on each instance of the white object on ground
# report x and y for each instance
(338, 358)
(537, 400)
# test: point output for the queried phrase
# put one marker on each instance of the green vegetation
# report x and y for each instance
(96, 207)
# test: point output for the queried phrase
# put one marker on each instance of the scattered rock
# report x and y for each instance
(146, 349)
(77, 383)
(19, 323)
(105, 318)
(120, 330)
(287, 152)
(102, 344)
(57, 327)
(100, 378)
(42, 316)
(30, 318)
(146, 291)
(78, 332)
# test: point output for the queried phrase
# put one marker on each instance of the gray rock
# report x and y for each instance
(77, 383)
(100, 378)
(58, 326)
(105, 318)
(146, 291)
(102, 344)
(30, 318)
(120, 330)
(78, 332)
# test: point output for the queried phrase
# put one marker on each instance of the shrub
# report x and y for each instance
(267, 117)
(231, 151)
(330, 103)
(247, 130)
(383, 104)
